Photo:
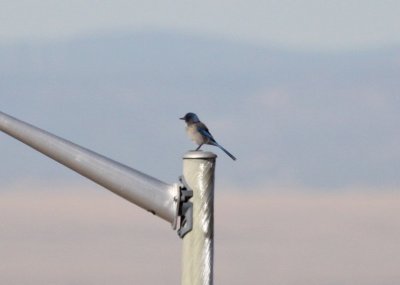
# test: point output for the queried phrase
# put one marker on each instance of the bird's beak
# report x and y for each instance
(182, 118)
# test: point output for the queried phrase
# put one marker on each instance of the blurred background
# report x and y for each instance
(304, 93)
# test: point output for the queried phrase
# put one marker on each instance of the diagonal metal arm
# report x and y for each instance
(141, 189)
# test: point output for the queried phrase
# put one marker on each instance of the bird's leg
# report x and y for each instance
(198, 147)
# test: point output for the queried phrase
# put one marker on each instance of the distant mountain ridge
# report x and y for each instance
(319, 120)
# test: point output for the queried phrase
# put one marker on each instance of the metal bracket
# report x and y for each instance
(185, 208)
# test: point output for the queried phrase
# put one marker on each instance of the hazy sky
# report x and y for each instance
(327, 120)
(307, 24)
(318, 134)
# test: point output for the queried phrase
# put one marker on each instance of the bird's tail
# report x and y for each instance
(224, 150)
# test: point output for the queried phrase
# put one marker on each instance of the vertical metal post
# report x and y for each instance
(198, 244)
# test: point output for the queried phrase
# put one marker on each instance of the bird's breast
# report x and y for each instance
(194, 134)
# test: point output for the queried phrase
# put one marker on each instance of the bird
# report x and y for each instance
(199, 133)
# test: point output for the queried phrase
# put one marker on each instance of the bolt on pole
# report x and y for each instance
(198, 244)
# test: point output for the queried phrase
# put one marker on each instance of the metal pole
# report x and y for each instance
(141, 189)
(198, 244)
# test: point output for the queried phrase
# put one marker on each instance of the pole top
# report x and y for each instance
(199, 154)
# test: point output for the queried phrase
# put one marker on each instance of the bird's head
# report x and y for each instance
(190, 118)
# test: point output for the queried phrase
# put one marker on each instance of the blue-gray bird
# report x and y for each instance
(199, 133)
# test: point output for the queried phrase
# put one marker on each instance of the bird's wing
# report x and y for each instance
(205, 132)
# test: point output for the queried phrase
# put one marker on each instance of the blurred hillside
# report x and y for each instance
(327, 120)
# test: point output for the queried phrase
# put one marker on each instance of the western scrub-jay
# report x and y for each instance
(199, 133)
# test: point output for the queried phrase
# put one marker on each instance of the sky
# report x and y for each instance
(317, 108)
(308, 25)
(320, 120)
(326, 123)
